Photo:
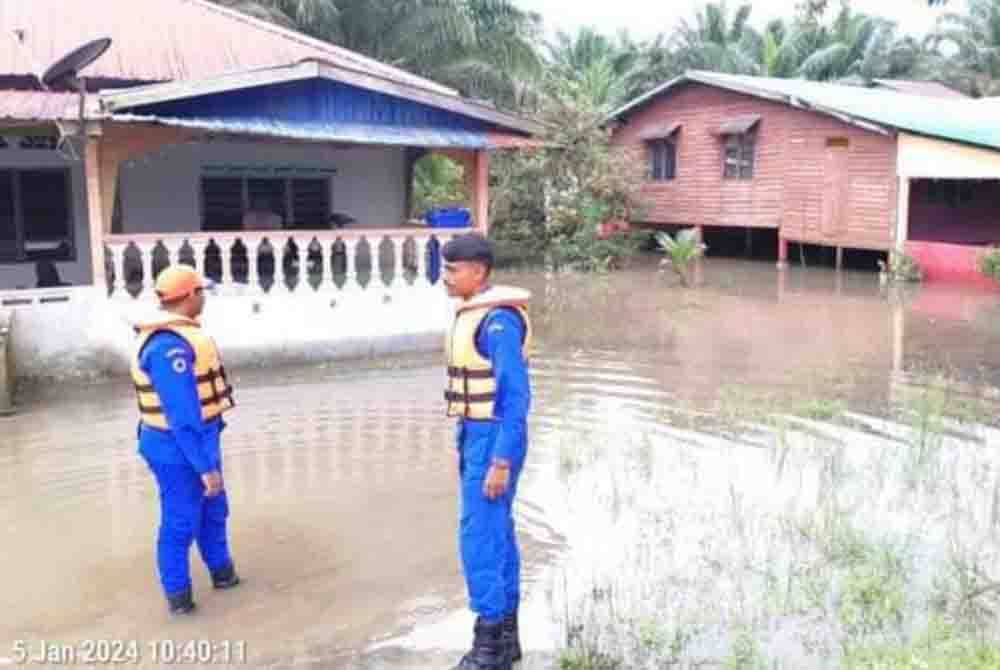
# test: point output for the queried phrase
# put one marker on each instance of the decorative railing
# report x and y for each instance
(279, 262)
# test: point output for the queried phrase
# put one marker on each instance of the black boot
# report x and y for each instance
(511, 637)
(488, 651)
(225, 578)
(181, 603)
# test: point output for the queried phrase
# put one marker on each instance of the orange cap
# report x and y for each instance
(178, 282)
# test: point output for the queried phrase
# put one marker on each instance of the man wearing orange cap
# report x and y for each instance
(183, 392)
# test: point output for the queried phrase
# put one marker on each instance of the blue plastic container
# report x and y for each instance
(448, 217)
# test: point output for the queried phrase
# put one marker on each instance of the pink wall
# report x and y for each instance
(942, 261)
(791, 172)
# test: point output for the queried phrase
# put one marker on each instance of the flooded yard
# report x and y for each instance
(771, 470)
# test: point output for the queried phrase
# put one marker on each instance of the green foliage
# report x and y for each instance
(989, 264)
(975, 37)
(485, 48)
(557, 200)
(437, 181)
(901, 268)
(822, 409)
(582, 660)
(681, 251)
(941, 647)
(745, 654)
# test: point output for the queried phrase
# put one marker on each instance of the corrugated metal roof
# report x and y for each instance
(233, 91)
(357, 133)
(322, 110)
(927, 89)
(163, 40)
(960, 120)
(37, 106)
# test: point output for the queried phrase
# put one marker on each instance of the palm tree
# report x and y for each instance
(857, 45)
(485, 48)
(593, 69)
(780, 50)
(716, 41)
(976, 36)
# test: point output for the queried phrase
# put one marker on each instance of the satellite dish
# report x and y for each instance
(66, 73)
(66, 69)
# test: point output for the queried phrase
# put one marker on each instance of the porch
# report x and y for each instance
(291, 188)
(947, 215)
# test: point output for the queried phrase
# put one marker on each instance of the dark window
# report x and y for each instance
(268, 195)
(663, 160)
(739, 156)
(310, 203)
(221, 203)
(299, 202)
(39, 142)
(36, 221)
(950, 192)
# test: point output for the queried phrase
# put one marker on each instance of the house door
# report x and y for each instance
(833, 222)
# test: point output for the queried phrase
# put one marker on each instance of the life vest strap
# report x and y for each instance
(468, 398)
(466, 373)
(216, 398)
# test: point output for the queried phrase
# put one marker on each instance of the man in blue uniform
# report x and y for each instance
(183, 392)
(489, 391)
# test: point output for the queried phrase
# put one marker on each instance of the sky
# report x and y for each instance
(646, 18)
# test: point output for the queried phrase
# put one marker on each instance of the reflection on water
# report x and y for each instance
(726, 470)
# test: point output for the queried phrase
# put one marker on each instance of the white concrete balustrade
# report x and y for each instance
(278, 263)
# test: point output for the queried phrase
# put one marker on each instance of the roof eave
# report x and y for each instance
(115, 101)
(707, 80)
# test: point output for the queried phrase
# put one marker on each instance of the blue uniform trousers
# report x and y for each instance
(187, 516)
(487, 540)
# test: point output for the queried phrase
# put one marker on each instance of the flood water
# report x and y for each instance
(702, 461)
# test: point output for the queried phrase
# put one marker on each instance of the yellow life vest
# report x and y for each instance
(472, 385)
(214, 391)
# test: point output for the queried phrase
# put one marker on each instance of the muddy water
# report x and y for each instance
(651, 477)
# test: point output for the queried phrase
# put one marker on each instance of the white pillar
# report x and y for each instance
(398, 267)
(148, 274)
(902, 214)
(375, 247)
(253, 245)
(420, 251)
(351, 264)
(117, 252)
(226, 256)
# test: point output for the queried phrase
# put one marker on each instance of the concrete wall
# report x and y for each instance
(79, 333)
(161, 192)
(930, 158)
(77, 272)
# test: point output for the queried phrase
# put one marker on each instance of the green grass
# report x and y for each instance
(942, 647)
(575, 659)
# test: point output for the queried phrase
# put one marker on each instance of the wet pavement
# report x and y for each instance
(649, 450)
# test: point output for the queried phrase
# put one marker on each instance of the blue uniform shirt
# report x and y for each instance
(169, 361)
(501, 340)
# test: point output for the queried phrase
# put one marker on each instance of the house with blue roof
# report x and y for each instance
(279, 165)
